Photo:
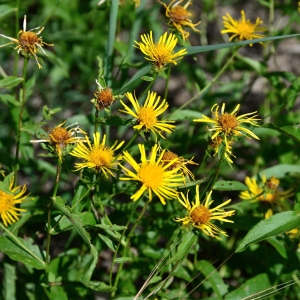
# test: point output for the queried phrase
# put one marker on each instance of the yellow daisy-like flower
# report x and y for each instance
(8, 201)
(160, 53)
(60, 138)
(98, 156)
(146, 115)
(179, 17)
(28, 42)
(180, 164)
(201, 216)
(268, 193)
(243, 29)
(153, 174)
(215, 144)
(228, 125)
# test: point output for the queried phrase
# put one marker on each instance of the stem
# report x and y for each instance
(96, 121)
(130, 141)
(149, 85)
(58, 173)
(135, 205)
(127, 243)
(17, 29)
(207, 87)
(167, 83)
(23, 101)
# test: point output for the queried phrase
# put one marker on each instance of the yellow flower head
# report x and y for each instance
(98, 156)
(243, 29)
(180, 164)
(146, 115)
(9, 198)
(201, 216)
(268, 193)
(215, 145)
(153, 174)
(229, 125)
(160, 53)
(61, 139)
(179, 17)
(28, 42)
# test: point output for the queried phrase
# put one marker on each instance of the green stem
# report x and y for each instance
(58, 173)
(149, 86)
(23, 101)
(130, 141)
(16, 240)
(127, 243)
(135, 205)
(207, 87)
(167, 83)
(96, 121)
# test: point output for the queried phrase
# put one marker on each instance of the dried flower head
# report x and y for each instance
(160, 53)
(201, 216)
(103, 97)
(243, 29)
(28, 42)
(60, 138)
(179, 17)
(9, 197)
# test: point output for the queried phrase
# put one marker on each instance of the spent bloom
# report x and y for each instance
(146, 115)
(10, 197)
(153, 175)
(180, 164)
(162, 52)
(61, 140)
(99, 156)
(103, 97)
(201, 216)
(28, 42)
(243, 29)
(179, 17)
(268, 193)
(228, 125)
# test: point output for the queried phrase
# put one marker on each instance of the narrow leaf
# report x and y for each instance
(120, 260)
(108, 242)
(10, 81)
(229, 186)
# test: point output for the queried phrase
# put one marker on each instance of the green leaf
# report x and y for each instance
(291, 131)
(9, 99)
(120, 260)
(278, 245)
(101, 79)
(185, 114)
(229, 186)
(9, 282)
(252, 286)
(32, 256)
(10, 81)
(187, 241)
(5, 11)
(293, 93)
(111, 227)
(256, 65)
(212, 275)
(56, 293)
(276, 224)
(280, 171)
(108, 242)
(114, 121)
(147, 78)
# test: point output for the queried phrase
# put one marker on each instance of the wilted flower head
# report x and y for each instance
(267, 192)
(61, 140)
(9, 197)
(243, 29)
(200, 216)
(179, 17)
(98, 157)
(160, 53)
(146, 115)
(103, 97)
(28, 42)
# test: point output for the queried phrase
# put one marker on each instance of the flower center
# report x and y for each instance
(59, 135)
(6, 202)
(178, 14)
(228, 122)
(245, 28)
(152, 176)
(104, 98)
(101, 157)
(200, 214)
(28, 39)
(146, 115)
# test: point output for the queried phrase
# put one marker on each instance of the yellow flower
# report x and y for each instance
(9, 198)
(153, 174)
(228, 125)
(243, 29)
(160, 53)
(180, 164)
(268, 193)
(201, 216)
(179, 17)
(97, 156)
(28, 42)
(60, 138)
(146, 115)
